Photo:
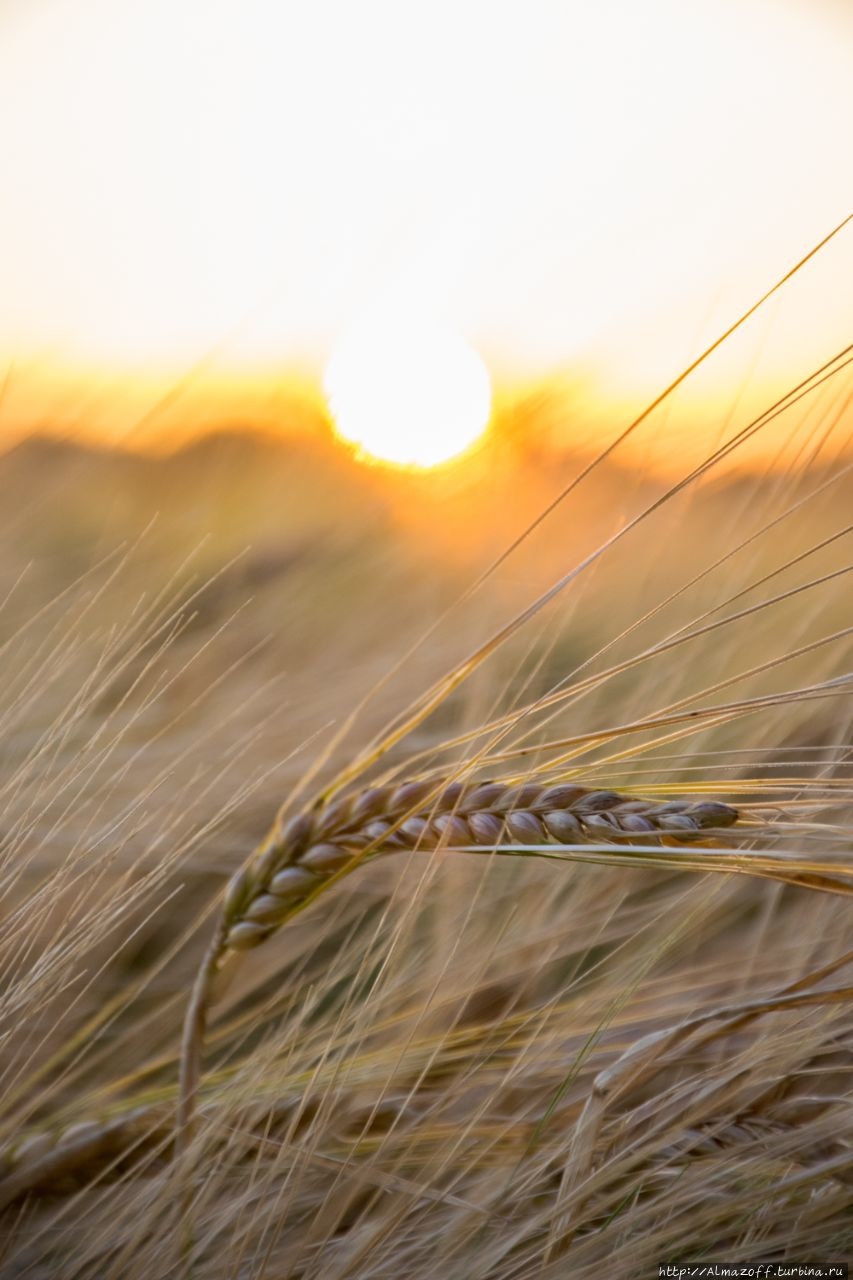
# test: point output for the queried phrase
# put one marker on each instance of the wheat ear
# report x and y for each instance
(303, 854)
(51, 1156)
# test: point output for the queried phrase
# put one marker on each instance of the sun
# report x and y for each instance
(411, 394)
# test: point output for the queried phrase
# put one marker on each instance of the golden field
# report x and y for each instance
(438, 1067)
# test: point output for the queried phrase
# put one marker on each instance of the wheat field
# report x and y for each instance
(601, 1025)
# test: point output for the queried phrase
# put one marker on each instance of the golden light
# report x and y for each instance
(599, 196)
(412, 393)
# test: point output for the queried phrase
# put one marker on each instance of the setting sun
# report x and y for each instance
(411, 393)
(588, 193)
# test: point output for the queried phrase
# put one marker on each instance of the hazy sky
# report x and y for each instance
(561, 180)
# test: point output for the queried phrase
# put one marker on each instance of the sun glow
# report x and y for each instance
(412, 393)
(591, 191)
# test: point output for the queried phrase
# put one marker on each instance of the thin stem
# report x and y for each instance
(192, 1040)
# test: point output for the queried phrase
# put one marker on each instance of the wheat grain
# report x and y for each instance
(300, 855)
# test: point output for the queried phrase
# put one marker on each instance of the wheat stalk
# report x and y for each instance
(304, 854)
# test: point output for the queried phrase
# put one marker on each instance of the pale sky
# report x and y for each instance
(562, 181)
